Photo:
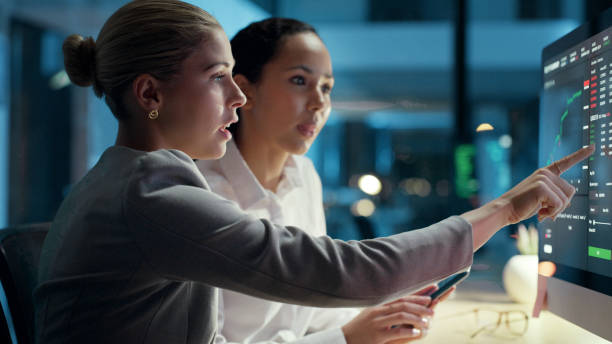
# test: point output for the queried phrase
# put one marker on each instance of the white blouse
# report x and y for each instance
(297, 202)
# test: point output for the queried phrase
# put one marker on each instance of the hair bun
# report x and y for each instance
(80, 59)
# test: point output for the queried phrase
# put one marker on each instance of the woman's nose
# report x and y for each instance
(316, 101)
(238, 98)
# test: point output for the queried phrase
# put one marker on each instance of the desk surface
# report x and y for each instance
(447, 327)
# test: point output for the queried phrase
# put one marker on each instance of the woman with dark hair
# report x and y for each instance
(139, 245)
(285, 71)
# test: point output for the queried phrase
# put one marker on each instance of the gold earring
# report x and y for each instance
(153, 114)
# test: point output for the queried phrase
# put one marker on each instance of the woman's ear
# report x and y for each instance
(146, 90)
(247, 88)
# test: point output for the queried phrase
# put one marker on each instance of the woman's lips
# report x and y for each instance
(307, 130)
(226, 133)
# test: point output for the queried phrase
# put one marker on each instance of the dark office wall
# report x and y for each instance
(40, 131)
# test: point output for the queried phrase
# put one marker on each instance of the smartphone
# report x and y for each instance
(448, 283)
(442, 288)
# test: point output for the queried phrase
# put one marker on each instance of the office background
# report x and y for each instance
(414, 79)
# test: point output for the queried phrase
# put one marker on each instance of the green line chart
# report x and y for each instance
(563, 116)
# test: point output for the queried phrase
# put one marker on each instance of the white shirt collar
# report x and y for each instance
(248, 189)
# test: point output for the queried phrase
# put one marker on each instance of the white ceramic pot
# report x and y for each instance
(520, 278)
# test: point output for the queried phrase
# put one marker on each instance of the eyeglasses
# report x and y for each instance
(488, 321)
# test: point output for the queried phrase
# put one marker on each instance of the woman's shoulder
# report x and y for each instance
(118, 165)
(169, 179)
(166, 158)
(130, 170)
(128, 158)
(123, 175)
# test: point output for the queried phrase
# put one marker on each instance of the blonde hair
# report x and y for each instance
(144, 36)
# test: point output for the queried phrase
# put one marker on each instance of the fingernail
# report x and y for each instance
(423, 332)
(416, 331)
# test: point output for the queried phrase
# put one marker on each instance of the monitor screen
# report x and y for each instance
(575, 108)
(575, 111)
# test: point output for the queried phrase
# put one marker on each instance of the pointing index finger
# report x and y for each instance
(564, 164)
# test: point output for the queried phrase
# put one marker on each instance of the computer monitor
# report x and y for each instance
(575, 111)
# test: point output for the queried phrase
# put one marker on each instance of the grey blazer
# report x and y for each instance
(140, 243)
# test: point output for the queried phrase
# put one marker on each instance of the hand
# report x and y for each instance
(409, 317)
(544, 191)
(432, 305)
(444, 296)
(432, 289)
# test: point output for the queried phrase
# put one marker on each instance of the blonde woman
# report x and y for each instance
(140, 244)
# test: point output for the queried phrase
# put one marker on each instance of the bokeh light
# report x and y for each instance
(370, 184)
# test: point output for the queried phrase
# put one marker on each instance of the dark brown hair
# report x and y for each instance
(258, 43)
